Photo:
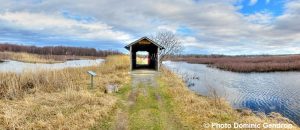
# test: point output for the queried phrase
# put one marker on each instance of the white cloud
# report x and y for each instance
(167, 28)
(59, 25)
(218, 26)
(260, 18)
(189, 41)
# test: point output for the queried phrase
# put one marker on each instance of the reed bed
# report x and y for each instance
(112, 71)
(248, 63)
(26, 57)
(60, 99)
(36, 58)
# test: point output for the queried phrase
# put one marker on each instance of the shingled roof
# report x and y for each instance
(144, 38)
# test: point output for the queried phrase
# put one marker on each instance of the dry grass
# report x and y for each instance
(194, 110)
(26, 57)
(35, 58)
(142, 61)
(60, 99)
(249, 64)
(60, 110)
(113, 71)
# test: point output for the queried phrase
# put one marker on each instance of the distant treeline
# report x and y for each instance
(57, 50)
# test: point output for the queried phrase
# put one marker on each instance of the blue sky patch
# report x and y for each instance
(185, 31)
(276, 7)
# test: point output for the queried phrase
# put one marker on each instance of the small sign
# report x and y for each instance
(92, 73)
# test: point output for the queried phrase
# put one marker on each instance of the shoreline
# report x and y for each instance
(215, 104)
(195, 77)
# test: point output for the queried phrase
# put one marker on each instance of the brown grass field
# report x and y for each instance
(247, 63)
(62, 99)
(35, 58)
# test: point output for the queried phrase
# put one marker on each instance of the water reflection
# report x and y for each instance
(262, 92)
(18, 67)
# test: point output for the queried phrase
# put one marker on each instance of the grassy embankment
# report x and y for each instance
(194, 110)
(35, 58)
(61, 100)
(248, 63)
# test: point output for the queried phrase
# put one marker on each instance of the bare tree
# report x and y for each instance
(170, 42)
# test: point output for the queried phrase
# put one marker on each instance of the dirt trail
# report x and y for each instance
(144, 105)
(145, 77)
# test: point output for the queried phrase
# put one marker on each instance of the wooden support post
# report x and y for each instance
(92, 84)
(158, 62)
(131, 60)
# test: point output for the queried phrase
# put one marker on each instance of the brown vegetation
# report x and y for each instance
(57, 50)
(60, 99)
(36, 58)
(247, 63)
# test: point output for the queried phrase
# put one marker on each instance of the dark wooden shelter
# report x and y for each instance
(148, 45)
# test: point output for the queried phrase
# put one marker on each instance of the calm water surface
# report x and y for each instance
(18, 67)
(261, 92)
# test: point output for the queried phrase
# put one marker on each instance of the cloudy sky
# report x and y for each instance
(230, 27)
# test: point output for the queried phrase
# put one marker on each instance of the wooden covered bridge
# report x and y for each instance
(147, 45)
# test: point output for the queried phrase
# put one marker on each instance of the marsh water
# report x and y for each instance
(260, 92)
(19, 67)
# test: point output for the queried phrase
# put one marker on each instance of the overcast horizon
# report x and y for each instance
(230, 27)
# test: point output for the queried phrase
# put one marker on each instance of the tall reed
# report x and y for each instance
(36, 58)
(248, 63)
(61, 99)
